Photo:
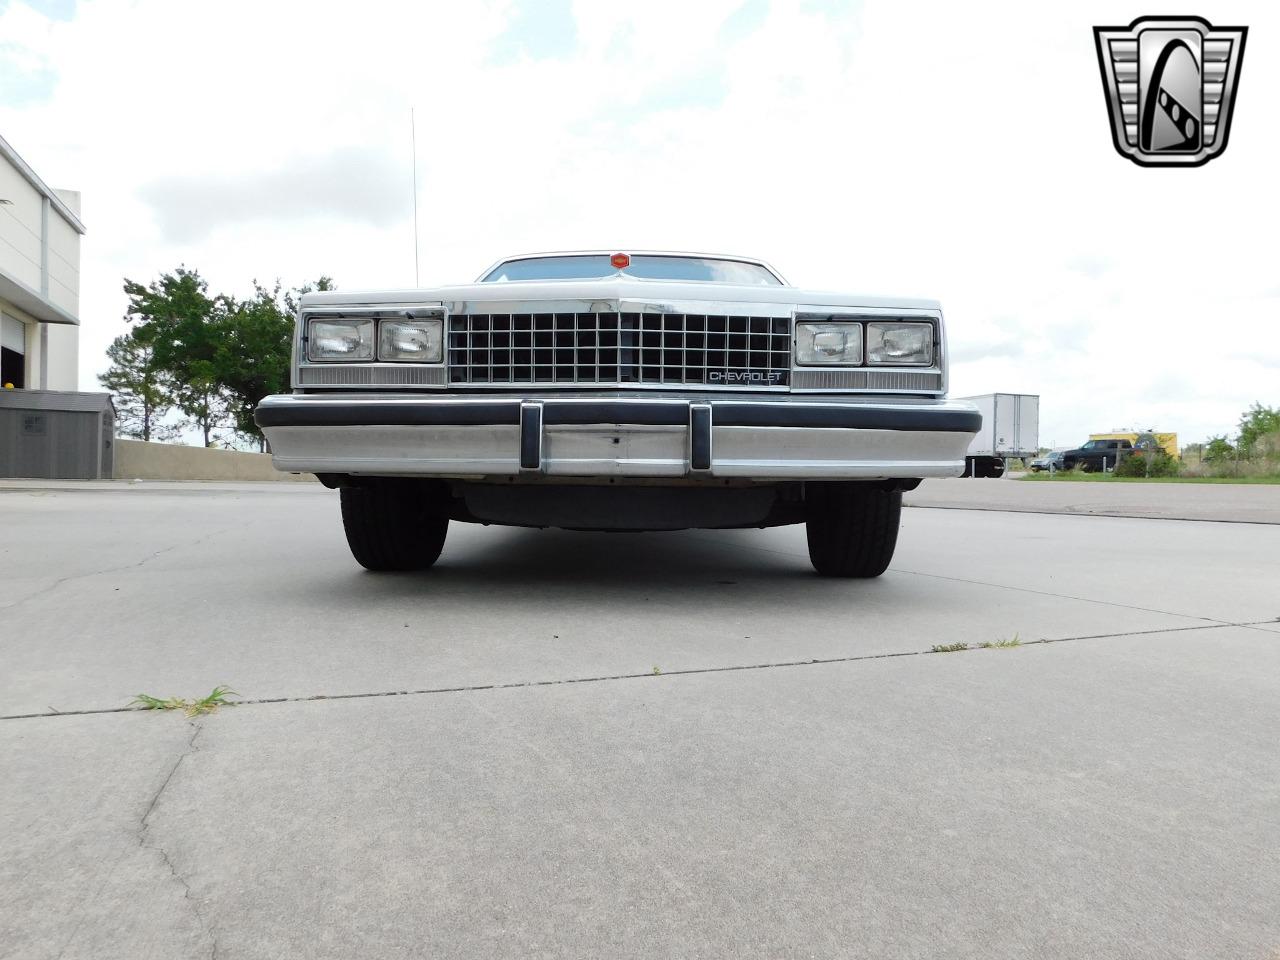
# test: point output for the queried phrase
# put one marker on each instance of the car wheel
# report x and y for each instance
(852, 528)
(395, 525)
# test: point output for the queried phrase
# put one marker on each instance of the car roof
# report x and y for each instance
(634, 253)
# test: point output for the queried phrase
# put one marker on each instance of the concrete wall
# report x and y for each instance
(64, 265)
(20, 227)
(62, 366)
(139, 460)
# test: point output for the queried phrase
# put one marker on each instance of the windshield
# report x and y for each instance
(647, 267)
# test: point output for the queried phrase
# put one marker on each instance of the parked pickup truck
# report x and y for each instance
(623, 391)
(1096, 455)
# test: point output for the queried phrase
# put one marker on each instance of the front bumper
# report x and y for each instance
(618, 436)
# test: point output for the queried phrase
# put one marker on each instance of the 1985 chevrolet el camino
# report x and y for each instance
(620, 391)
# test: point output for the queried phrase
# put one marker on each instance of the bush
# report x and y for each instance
(1155, 463)
(1218, 450)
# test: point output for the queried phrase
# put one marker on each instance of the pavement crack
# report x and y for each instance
(651, 675)
(1067, 596)
(147, 842)
(122, 567)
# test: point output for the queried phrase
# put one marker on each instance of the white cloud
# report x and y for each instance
(934, 149)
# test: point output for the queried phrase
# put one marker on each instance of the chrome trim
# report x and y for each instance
(918, 364)
(608, 450)
(365, 373)
(556, 302)
(359, 322)
(938, 367)
(407, 375)
(737, 308)
(618, 349)
(861, 378)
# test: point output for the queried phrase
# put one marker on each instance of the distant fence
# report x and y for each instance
(139, 460)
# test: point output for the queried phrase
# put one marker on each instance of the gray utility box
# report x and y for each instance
(53, 435)
(1010, 425)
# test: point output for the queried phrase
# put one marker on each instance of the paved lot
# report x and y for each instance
(749, 761)
(1229, 502)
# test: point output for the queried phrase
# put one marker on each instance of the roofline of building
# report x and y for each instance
(55, 201)
(30, 302)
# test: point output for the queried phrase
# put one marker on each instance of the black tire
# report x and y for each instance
(852, 528)
(394, 526)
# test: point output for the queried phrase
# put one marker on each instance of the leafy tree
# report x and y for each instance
(182, 324)
(1218, 450)
(1257, 422)
(254, 349)
(138, 386)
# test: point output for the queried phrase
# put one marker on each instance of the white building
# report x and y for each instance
(40, 233)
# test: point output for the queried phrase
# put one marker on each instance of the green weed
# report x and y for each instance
(216, 698)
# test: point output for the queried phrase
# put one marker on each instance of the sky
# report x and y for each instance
(957, 151)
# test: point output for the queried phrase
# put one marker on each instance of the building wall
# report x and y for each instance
(40, 272)
(20, 227)
(64, 265)
(63, 368)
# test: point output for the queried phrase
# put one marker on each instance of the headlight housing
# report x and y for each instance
(340, 339)
(900, 343)
(418, 341)
(832, 343)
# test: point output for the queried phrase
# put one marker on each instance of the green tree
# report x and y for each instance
(139, 390)
(254, 349)
(1257, 422)
(182, 324)
(1218, 450)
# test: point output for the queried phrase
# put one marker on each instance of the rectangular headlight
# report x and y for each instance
(829, 343)
(907, 343)
(411, 340)
(340, 340)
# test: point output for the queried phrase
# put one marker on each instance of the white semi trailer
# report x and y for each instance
(1010, 425)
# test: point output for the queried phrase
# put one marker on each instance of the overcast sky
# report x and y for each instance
(951, 150)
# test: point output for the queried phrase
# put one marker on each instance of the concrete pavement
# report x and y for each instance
(815, 783)
(1222, 502)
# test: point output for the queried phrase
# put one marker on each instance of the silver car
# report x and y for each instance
(604, 390)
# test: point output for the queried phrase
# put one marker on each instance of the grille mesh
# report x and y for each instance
(619, 348)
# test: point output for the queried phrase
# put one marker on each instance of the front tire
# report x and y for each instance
(852, 528)
(394, 526)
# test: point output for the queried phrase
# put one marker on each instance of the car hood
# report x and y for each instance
(614, 290)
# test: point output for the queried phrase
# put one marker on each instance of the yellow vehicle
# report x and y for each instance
(1168, 442)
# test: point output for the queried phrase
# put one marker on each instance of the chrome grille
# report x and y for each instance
(619, 348)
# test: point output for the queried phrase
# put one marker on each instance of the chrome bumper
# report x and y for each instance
(618, 436)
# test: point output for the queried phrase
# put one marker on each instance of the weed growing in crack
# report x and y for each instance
(948, 647)
(1003, 644)
(216, 698)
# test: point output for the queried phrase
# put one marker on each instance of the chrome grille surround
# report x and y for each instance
(619, 348)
